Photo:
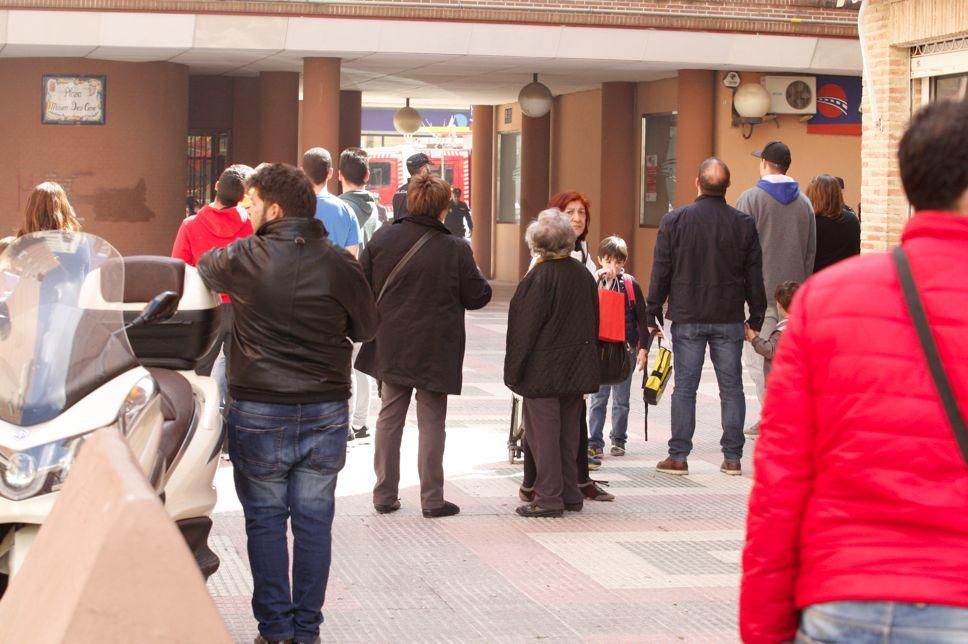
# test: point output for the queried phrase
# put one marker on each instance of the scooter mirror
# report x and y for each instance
(160, 308)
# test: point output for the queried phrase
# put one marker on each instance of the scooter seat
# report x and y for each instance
(178, 410)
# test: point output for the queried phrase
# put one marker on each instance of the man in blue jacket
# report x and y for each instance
(708, 264)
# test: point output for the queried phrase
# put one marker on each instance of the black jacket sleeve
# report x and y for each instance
(753, 281)
(661, 280)
(215, 269)
(475, 292)
(400, 203)
(360, 305)
(527, 315)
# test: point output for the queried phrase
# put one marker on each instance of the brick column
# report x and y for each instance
(350, 119)
(278, 117)
(694, 132)
(617, 208)
(886, 105)
(535, 176)
(482, 186)
(321, 108)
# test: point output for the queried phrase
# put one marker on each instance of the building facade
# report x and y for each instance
(641, 96)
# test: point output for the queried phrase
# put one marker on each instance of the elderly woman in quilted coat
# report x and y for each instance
(552, 359)
(858, 521)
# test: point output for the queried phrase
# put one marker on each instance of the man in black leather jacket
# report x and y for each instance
(299, 300)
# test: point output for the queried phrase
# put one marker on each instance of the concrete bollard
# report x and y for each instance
(109, 565)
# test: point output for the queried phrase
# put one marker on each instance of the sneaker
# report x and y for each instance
(535, 511)
(361, 432)
(446, 510)
(526, 494)
(753, 430)
(618, 449)
(672, 466)
(595, 452)
(350, 436)
(733, 469)
(594, 463)
(594, 492)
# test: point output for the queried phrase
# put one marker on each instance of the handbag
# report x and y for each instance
(611, 313)
(615, 362)
(654, 383)
(930, 348)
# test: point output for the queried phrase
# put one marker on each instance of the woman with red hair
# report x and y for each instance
(577, 209)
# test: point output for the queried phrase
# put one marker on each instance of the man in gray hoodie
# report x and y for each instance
(788, 235)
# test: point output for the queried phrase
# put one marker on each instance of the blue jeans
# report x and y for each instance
(725, 341)
(286, 459)
(882, 623)
(620, 411)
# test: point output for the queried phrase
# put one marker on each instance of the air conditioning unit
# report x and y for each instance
(791, 94)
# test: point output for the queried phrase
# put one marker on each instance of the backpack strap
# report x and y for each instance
(629, 288)
(930, 348)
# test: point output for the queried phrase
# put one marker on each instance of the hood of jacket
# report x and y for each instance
(362, 202)
(781, 187)
(227, 223)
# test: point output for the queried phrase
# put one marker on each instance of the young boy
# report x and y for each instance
(766, 347)
(612, 255)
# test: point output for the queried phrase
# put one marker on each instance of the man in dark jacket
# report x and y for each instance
(417, 165)
(707, 263)
(298, 298)
(420, 342)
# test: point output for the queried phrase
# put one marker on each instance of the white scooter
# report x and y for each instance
(90, 340)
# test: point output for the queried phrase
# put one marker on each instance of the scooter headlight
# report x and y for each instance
(138, 398)
(38, 470)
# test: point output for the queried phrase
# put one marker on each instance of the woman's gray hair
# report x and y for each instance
(550, 235)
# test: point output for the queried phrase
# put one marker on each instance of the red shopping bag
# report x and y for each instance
(611, 315)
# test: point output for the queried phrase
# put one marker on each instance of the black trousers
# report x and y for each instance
(581, 458)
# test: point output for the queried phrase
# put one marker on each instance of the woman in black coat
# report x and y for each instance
(419, 343)
(838, 229)
(552, 359)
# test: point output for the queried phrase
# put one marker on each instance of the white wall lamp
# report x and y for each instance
(535, 99)
(751, 102)
(407, 120)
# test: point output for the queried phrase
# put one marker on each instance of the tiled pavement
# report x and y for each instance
(660, 564)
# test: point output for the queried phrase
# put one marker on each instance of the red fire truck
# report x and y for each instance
(388, 169)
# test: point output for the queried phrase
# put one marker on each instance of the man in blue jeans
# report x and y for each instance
(299, 300)
(708, 264)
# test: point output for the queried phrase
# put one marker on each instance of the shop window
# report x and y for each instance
(951, 87)
(508, 177)
(658, 178)
(380, 174)
(207, 154)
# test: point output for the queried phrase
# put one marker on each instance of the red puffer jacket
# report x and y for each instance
(861, 492)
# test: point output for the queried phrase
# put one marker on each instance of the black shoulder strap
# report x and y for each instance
(403, 262)
(930, 348)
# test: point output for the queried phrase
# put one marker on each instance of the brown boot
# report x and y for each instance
(733, 469)
(672, 466)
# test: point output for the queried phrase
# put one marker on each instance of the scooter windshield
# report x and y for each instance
(61, 324)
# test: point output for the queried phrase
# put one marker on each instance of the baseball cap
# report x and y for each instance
(775, 152)
(417, 161)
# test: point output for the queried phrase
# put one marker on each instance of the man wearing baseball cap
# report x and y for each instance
(417, 164)
(788, 235)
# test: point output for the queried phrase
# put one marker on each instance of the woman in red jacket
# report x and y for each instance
(858, 520)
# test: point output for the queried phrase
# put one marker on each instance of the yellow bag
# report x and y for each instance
(655, 383)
